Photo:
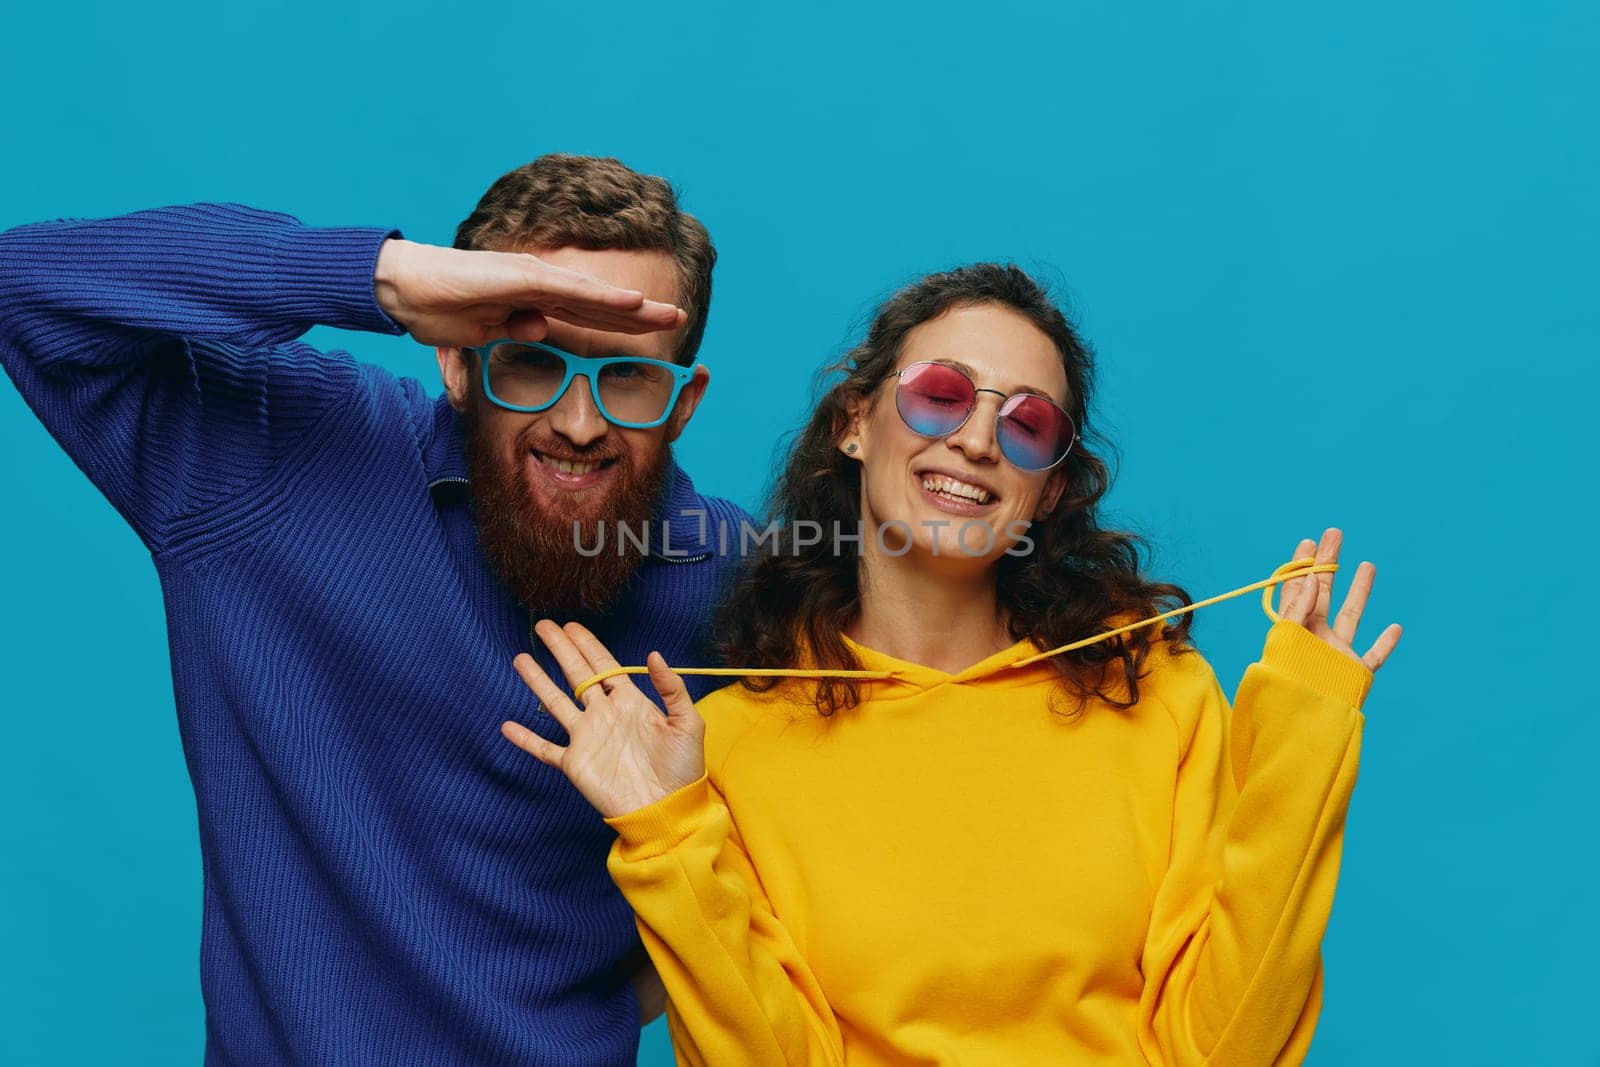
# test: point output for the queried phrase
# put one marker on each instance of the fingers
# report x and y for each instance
(594, 652)
(579, 289)
(1379, 652)
(457, 297)
(1295, 600)
(546, 752)
(586, 301)
(569, 657)
(551, 695)
(1327, 552)
(653, 316)
(597, 656)
(1355, 602)
(526, 326)
(674, 694)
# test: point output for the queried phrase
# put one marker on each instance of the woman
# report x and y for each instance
(975, 855)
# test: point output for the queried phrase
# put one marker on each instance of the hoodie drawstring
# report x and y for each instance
(1293, 569)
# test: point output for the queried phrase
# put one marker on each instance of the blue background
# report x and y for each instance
(1338, 262)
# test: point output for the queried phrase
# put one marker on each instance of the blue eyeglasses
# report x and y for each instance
(630, 391)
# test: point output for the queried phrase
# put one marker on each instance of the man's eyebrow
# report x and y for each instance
(671, 357)
(1014, 389)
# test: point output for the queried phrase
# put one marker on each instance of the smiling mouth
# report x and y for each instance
(570, 469)
(956, 490)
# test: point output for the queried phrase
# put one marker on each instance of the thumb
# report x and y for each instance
(527, 326)
(674, 695)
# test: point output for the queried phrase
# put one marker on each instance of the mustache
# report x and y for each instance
(555, 448)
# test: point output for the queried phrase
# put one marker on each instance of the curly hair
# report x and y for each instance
(594, 203)
(795, 600)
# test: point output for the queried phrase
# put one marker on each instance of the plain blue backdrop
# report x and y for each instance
(1338, 261)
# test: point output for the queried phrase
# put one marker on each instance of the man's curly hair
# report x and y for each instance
(559, 201)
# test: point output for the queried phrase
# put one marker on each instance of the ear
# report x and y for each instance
(454, 368)
(694, 390)
(852, 440)
(1054, 486)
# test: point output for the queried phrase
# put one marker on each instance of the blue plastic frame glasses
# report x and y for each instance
(576, 366)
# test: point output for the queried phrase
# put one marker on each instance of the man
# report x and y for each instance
(349, 568)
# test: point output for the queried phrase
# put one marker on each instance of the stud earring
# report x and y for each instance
(850, 448)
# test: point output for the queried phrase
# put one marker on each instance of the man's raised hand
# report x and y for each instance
(455, 298)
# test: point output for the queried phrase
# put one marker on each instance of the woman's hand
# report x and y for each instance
(623, 753)
(1306, 601)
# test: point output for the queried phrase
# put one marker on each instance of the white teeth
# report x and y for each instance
(938, 483)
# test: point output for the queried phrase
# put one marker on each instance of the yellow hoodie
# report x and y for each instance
(955, 873)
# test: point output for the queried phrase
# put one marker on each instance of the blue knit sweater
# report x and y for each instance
(386, 879)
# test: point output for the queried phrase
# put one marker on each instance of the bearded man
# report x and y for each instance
(349, 568)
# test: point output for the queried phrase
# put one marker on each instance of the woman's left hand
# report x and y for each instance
(1306, 601)
(623, 754)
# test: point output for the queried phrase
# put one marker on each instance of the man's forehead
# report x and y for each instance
(651, 271)
(597, 344)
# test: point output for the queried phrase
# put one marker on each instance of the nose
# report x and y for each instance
(975, 438)
(576, 417)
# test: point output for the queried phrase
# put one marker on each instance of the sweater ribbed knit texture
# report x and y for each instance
(386, 879)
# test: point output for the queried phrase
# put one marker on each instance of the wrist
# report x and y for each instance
(1295, 652)
(386, 275)
(636, 799)
(657, 827)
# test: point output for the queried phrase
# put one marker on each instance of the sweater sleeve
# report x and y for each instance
(1232, 961)
(159, 348)
(738, 989)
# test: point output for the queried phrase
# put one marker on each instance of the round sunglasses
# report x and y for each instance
(936, 399)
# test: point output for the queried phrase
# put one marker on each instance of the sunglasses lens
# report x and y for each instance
(1034, 433)
(934, 399)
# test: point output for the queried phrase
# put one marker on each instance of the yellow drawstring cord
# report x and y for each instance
(1293, 569)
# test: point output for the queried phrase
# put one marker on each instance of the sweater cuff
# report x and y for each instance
(325, 276)
(657, 828)
(1299, 655)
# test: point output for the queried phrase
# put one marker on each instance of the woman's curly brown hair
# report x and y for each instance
(800, 596)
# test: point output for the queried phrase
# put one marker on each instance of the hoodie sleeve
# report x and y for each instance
(1232, 960)
(738, 990)
(159, 348)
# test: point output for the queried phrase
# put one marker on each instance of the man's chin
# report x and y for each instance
(583, 508)
(535, 552)
(533, 524)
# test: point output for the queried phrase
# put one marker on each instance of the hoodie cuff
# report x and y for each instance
(1299, 655)
(657, 828)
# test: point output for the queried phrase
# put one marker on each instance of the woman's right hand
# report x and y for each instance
(623, 753)
(1307, 600)
(459, 298)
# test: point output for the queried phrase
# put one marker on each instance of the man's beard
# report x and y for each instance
(535, 553)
